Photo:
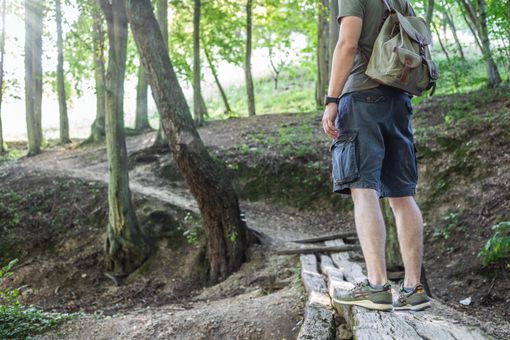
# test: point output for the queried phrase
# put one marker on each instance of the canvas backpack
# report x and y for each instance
(401, 56)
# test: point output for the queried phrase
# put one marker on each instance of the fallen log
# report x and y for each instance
(325, 249)
(327, 237)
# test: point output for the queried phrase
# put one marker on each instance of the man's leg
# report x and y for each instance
(371, 232)
(410, 236)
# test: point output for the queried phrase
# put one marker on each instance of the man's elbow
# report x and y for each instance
(348, 46)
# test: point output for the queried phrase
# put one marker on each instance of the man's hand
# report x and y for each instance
(328, 121)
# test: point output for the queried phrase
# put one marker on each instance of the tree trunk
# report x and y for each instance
(126, 247)
(393, 257)
(478, 24)
(33, 74)
(430, 12)
(61, 87)
(226, 232)
(334, 30)
(247, 61)
(322, 53)
(276, 71)
(2, 56)
(162, 13)
(97, 133)
(492, 68)
(447, 55)
(141, 118)
(455, 36)
(198, 106)
(217, 81)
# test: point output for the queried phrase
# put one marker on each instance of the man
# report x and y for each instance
(374, 157)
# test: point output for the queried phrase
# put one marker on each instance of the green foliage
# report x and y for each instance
(497, 247)
(191, 229)
(18, 321)
(296, 140)
(232, 236)
(295, 93)
(452, 222)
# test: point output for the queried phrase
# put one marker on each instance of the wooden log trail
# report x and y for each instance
(325, 274)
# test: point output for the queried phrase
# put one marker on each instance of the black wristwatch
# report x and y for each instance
(328, 100)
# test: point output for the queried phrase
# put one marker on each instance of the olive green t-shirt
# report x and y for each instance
(372, 13)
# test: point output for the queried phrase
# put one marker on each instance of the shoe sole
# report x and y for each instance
(414, 307)
(366, 303)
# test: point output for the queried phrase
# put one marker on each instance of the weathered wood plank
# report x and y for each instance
(312, 250)
(319, 316)
(352, 270)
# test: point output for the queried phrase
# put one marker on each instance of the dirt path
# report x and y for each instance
(217, 311)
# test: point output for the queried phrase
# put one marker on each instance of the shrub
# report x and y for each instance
(18, 321)
(498, 246)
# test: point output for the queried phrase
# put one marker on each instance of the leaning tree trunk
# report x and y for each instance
(226, 233)
(322, 53)
(2, 55)
(453, 28)
(97, 133)
(247, 61)
(198, 106)
(162, 13)
(217, 80)
(334, 30)
(61, 87)
(126, 247)
(477, 15)
(141, 117)
(33, 74)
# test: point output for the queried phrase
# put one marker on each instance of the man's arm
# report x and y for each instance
(341, 66)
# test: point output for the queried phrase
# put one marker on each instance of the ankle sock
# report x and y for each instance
(408, 290)
(373, 286)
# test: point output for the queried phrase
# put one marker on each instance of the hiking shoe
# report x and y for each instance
(417, 299)
(365, 296)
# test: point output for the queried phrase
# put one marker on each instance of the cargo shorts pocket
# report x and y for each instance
(344, 158)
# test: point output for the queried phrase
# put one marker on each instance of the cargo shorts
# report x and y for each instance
(376, 147)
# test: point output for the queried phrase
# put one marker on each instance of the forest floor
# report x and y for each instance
(54, 213)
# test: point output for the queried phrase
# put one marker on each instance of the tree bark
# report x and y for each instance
(226, 232)
(61, 87)
(2, 56)
(141, 117)
(197, 91)
(33, 74)
(217, 81)
(126, 247)
(322, 53)
(247, 61)
(162, 13)
(97, 133)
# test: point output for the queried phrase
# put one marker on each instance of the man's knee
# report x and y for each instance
(361, 194)
(400, 203)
